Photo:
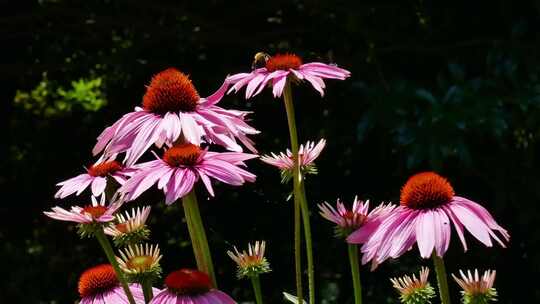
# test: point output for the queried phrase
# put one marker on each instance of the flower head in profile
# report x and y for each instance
(96, 177)
(172, 108)
(477, 289)
(190, 286)
(307, 155)
(277, 69)
(182, 166)
(140, 262)
(347, 221)
(89, 217)
(130, 228)
(414, 290)
(428, 206)
(251, 262)
(92, 213)
(99, 285)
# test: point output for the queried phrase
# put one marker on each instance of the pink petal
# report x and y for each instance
(98, 185)
(472, 223)
(425, 234)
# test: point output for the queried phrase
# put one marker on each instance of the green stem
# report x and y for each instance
(109, 252)
(355, 271)
(298, 249)
(256, 282)
(198, 235)
(147, 290)
(299, 190)
(309, 245)
(440, 270)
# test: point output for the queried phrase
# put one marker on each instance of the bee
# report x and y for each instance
(259, 60)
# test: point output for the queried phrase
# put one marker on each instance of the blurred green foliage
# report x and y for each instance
(49, 99)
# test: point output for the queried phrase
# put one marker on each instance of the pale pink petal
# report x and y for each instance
(190, 129)
(98, 185)
(207, 183)
(425, 234)
(278, 84)
(218, 95)
(472, 223)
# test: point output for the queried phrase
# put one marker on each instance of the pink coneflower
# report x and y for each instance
(278, 68)
(182, 166)
(348, 221)
(97, 212)
(172, 108)
(190, 286)
(307, 155)
(476, 288)
(428, 205)
(99, 285)
(96, 177)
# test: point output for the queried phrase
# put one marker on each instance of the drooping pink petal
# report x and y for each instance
(278, 84)
(472, 223)
(98, 185)
(190, 129)
(217, 95)
(223, 171)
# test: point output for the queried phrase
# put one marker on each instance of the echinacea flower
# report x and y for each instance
(99, 285)
(171, 109)
(348, 221)
(140, 262)
(307, 155)
(95, 177)
(277, 69)
(414, 290)
(182, 166)
(251, 262)
(477, 289)
(428, 206)
(97, 212)
(190, 286)
(130, 228)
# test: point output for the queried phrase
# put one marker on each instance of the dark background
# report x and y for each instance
(451, 86)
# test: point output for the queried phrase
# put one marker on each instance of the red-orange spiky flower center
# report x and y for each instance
(182, 155)
(105, 168)
(170, 91)
(96, 280)
(426, 190)
(188, 282)
(95, 211)
(283, 62)
(122, 227)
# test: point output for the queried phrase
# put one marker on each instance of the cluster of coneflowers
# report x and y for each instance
(181, 130)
